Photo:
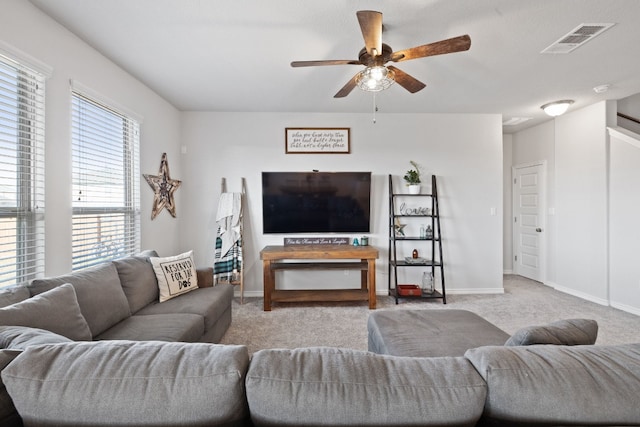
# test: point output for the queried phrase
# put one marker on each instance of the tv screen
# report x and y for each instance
(316, 202)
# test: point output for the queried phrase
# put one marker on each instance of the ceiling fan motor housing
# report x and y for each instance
(374, 61)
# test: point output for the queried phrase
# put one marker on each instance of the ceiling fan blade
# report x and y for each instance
(325, 62)
(346, 89)
(411, 84)
(455, 44)
(371, 26)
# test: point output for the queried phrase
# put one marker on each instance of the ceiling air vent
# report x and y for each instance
(577, 37)
(514, 121)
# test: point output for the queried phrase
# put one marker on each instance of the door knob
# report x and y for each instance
(539, 230)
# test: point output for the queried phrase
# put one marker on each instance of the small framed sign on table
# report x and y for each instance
(317, 141)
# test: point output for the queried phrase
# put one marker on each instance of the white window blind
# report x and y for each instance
(21, 173)
(106, 193)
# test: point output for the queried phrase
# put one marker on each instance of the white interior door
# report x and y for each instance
(528, 220)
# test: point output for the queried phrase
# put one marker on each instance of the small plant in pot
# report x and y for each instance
(412, 178)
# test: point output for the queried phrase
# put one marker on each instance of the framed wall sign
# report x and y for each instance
(317, 141)
(316, 241)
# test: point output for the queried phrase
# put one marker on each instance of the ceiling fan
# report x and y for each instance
(378, 76)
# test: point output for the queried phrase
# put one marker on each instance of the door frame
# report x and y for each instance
(543, 216)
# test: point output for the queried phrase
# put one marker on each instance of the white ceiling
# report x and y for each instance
(234, 55)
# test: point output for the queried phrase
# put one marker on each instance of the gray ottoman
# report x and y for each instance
(430, 333)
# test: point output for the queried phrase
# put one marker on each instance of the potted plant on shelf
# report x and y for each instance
(412, 178)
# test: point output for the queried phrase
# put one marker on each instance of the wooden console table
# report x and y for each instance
(274, 258)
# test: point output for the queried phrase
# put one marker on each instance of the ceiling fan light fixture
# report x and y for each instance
(375, 79)
(557, 108)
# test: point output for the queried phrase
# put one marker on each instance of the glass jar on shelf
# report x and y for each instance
(427, 283)
(429, 232)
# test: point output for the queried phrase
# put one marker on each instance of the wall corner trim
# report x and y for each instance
(624, 135)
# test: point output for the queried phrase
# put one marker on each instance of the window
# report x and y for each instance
(106, 194)
(21, 173)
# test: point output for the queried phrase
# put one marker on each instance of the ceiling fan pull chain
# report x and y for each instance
(375, 108)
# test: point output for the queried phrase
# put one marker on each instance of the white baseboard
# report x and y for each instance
(383, 292)
(507, 272)
(601, 301)
(476, 291)
(249, 294)
(459, 291)
(582, 295)
(627, 308)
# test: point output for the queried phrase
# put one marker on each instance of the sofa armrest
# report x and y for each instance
(205, 277)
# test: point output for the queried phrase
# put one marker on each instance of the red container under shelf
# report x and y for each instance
(409, 290)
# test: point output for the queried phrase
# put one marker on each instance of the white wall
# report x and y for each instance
(624, 233)
(464, 151)
(532, 145)
(27, 30)
(581, 202)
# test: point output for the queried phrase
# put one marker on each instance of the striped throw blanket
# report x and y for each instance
(227, 267)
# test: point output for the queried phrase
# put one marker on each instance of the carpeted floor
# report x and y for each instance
(524, 303)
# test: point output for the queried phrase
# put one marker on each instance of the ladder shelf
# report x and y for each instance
(431, 244)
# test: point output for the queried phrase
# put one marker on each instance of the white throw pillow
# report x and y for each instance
(176, 275)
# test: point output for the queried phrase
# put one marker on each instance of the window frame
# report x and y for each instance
(23, 259)
(130, 208)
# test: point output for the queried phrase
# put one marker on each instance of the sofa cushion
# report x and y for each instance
(120, 383)
(182, 327)
(176, 275)
(331, 387)
(562, 332)
(13, 294)
(100, 296)
(56, 310)
(8, 413)
(561, 385)
(20, 337)
(138, 280)
(208, 302)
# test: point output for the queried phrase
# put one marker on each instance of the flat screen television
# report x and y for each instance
(316, 202)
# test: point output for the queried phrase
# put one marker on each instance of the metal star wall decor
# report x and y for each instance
(399, 228)
(163, 187)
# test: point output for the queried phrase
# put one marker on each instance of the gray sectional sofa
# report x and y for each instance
(119, 300)
(54, 381)
(116, 300)
(127, 383)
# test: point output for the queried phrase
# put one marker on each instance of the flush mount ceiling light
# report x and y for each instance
(375, 79)
(557, 108)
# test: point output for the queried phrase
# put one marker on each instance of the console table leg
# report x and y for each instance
(371, 275)
(268, 280)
